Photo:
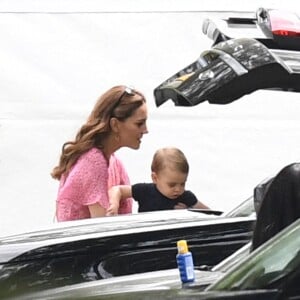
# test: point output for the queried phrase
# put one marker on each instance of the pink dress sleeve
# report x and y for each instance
(88, 179)
(117, 175)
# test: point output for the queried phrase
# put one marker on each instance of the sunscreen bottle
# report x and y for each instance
(185, 262)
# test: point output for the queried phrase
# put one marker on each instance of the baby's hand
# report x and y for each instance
(180, 205)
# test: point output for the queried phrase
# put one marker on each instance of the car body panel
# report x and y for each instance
(94, 249)
(166, 279)
(254, 277)
(154, 293)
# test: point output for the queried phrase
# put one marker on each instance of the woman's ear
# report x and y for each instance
(154, 177)
(113, 122)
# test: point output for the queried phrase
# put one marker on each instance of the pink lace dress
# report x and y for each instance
(88, 183)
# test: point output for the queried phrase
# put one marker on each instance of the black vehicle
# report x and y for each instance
(168, 279)
(276, 29)
(88, 250)
(270, 272)
(230, 70)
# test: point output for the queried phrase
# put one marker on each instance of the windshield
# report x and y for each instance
(233, 259)
(246, 208)
(272, 262)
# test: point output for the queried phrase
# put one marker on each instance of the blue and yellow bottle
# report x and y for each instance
(185, 262)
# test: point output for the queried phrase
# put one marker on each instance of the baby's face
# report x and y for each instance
(171, 183)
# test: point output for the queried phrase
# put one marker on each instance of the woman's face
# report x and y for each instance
(133, 128)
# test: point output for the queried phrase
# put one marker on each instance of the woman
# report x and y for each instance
(88, 166)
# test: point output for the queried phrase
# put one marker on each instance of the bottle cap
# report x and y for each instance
(182, 247)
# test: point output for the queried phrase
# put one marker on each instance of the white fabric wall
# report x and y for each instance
(57, 57)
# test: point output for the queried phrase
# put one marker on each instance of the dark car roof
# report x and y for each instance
(105, 225)
(62, 233)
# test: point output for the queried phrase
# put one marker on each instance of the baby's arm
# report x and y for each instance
(116, 194)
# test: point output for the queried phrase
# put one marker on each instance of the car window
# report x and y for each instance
(272, 262)
(232, 260)
(246, 208)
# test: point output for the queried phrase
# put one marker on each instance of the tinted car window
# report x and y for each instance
(226, 264)
(272, 264)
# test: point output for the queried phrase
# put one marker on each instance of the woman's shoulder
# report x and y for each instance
(115, 161)
(114, 157)
(93, 152)
(93, 155)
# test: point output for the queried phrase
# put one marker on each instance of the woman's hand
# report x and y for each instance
(112, 209)
(116, 194)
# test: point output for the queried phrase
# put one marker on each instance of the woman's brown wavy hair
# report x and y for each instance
(113, 103)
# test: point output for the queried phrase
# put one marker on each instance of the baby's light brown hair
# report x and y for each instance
(169, 157)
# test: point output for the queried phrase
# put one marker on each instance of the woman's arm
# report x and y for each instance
(116, 194)
(96, 210)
